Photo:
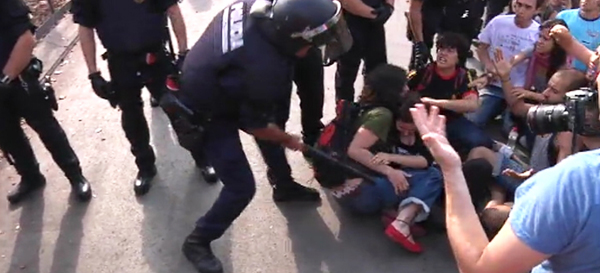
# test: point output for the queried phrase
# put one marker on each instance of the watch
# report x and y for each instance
(4, 79)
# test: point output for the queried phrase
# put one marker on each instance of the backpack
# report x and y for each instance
(334, 140)
(458, 80)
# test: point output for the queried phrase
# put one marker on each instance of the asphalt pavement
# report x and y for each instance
(117, 232)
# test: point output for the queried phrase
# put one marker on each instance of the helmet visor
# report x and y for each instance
(333, 37)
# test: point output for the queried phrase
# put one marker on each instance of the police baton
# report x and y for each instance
(311, 151)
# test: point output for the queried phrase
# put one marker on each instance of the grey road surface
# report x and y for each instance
(117, 232)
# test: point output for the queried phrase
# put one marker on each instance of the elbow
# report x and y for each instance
(353, 152)
(27, 41)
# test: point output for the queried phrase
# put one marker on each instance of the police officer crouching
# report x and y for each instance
(22, 96)
(135, 34)
(237, 75)
(365, 20)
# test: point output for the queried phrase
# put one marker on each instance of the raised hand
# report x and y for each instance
(503, 66)
(432, 128)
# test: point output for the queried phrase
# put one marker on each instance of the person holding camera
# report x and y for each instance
(22, 96)
(365, 19)
(553, 225)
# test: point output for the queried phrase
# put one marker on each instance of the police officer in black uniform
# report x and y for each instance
(134, 33)
(308, 77)
(238, 76)
(365, 19)
(22, 96)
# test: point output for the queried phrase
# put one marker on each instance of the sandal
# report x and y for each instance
(415, 229)
(402, 239)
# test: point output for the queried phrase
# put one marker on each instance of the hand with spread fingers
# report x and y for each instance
(432, 128)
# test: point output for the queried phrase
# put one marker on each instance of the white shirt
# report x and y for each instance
(503, 33)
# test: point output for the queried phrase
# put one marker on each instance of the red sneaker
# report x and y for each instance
(401, 239)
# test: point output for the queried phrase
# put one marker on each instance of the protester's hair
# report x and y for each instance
(558, 56)
(408, 101)
(574, 78)
(453, 40)
(383, 86)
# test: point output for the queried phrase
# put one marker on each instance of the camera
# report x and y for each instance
(579, 114)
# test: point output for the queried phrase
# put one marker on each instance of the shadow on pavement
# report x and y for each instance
(26, 253)
(201, 5)
(68, 243)
(177, 198)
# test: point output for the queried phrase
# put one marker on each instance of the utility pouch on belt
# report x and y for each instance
(186, 124)
(30, 77)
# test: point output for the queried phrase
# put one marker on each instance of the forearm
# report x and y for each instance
(358, 8)
(459, 106)
(179, 27)
(364, 157)
(416, 20)
(465, 233)
(411, 161)
(88, 47)
(577, 50)
(20, 55)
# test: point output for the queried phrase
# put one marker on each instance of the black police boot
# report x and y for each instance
(143, 180)
(199, 253)
(208, 173)
(81, 187)
(26, 187)
(292, 191)
(153, 102)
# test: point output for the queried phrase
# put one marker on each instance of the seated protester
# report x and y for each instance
(445, 84)
(559, 84)
(584, 25)
(424, 182)
(414, 189)
(553, 225)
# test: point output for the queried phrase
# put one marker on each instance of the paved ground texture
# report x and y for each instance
(116, 232)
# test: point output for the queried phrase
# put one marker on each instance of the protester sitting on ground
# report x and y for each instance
(445, 84)
(553, 225)
(415, 190)
(425, 185)
(584, 25)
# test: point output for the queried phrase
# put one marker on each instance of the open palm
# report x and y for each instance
(432, 128)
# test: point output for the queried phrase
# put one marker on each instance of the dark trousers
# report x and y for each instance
(464, 135)
(439, 19)
(30, 104)
(224, 150)
(369, 46)
(130, 73)
(308, 76)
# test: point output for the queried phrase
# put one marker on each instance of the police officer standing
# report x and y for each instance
(22, 96)
(365, 19)
(237, 76)
(134, 33)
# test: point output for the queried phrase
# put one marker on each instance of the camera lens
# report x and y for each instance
(543, 119)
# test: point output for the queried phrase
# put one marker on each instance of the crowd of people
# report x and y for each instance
(422, 132)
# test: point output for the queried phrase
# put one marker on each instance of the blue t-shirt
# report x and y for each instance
(557, 212)
(585, 31)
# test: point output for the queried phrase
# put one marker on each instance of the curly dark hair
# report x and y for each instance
(453, 40)
(383, 86)
(408, 101)
(558, 56)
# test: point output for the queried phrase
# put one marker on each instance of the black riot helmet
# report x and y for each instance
(294, 24)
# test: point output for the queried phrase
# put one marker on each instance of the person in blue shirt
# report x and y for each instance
(584, 25)
(553, 226)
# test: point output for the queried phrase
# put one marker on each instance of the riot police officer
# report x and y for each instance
(22, 96)
(134, 33)
(365, 19)
(238, 76)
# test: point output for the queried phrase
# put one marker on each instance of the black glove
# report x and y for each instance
(383, 13)
(180, 60)
(100, 85)
(421, 54)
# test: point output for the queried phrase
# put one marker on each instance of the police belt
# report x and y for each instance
(139, 55)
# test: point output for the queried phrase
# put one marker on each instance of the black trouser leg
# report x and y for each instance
(308, 77)
(432, 17)
(348, 64)
(15, 143)
(375, 52)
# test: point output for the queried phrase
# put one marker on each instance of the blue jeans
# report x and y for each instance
(464, 134)
(492, 104)
(425, 186)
